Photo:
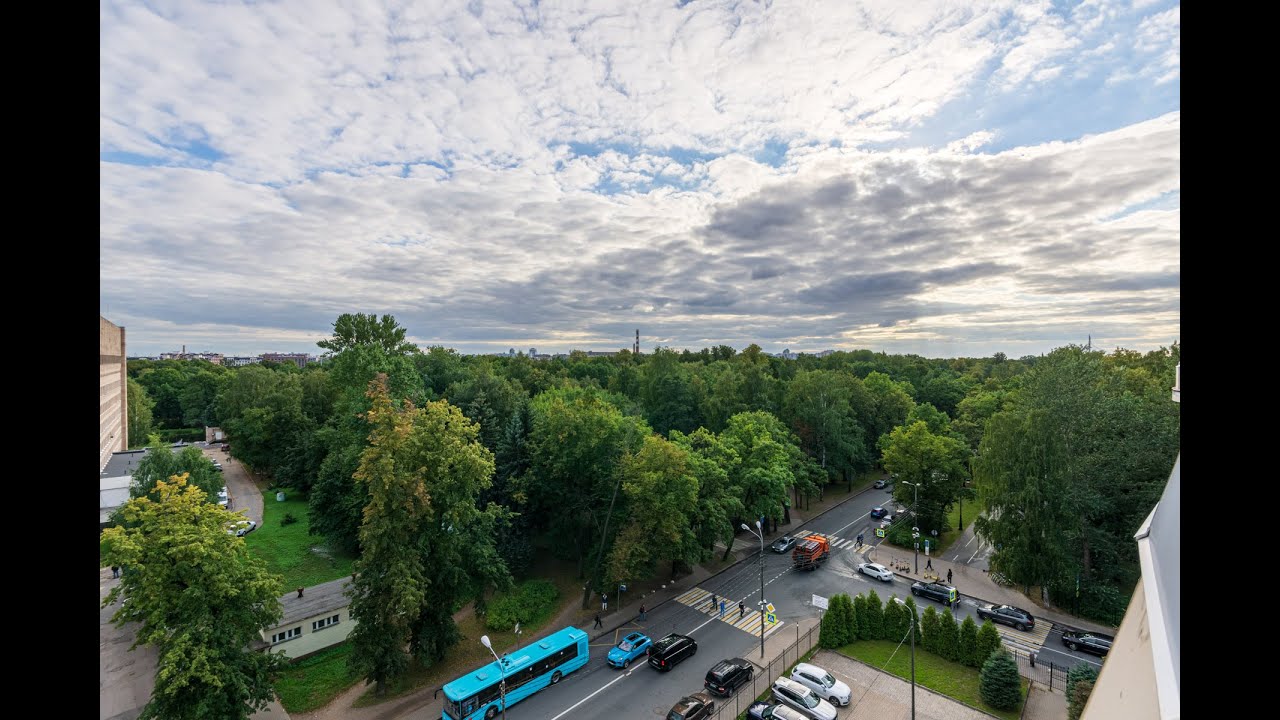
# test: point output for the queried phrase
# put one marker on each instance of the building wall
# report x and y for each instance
(311, 641)
(1126, 687)
(113, 391)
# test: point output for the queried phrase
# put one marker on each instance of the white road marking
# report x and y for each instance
(597, 692)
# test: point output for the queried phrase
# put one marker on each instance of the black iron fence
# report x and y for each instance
(732, 707)
(1046, 673)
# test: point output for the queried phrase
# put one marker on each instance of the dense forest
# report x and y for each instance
(630, 465)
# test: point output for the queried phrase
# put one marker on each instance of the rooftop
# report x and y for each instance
(315, 600)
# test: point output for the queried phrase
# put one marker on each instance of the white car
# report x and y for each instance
(876, 571)
(823, 683)
(797, 696)
(222, 496)
(241, 528)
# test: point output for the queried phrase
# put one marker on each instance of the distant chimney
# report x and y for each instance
(299, 592)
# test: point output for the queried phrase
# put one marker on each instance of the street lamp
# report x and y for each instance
(915, 531)
(761, 536)
(913, 655)
(502, 684)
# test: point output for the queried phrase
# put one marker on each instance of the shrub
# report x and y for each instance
(1077, 698)
(1083, 672)
(988, 642)
(1001, 687)
(530, 603)
(832, 634)
(863, 617)
(894, 628)
(929, 631)
(948, 637)
(875, 617)
(288, 519)
(968, 644)
(913, 616)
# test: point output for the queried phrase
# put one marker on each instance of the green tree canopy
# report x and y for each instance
(357, 329)
(936, 463)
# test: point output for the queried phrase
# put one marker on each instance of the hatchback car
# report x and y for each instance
(773, 711)
(878, 512)
(876, 571)
(794, 695)
(693, 707)
(1007, 615)
(728, 675)
(671, 650)
(631, 647)
(941, 592)
(1090, 642)
(823, 683)
(783, 544)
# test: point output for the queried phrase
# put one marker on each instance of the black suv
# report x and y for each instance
(728, 675)
(1089, 642)
(670, 650)
(944, 594)
(1009, 615)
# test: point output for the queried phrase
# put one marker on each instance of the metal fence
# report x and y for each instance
(1046, 673)
(732, 707)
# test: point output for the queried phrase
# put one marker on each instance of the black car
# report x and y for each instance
(878, 512)
(941, 592)
(1009, 615)
(1090, 642)
(670, 650)
(728, 675)
(697, 706)
(783, 544)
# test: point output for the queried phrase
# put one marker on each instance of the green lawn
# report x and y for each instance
(288, 550)
(954, 680)
(311, 683)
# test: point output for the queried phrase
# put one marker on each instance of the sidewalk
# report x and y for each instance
(1044, 704)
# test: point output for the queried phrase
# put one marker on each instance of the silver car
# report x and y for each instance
(797, 696)
(823, 683)
(876, 571)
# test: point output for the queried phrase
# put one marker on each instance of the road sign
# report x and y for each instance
(622, 588)
(819, 601)
(769, 608)
(771, 618)
(879, 532)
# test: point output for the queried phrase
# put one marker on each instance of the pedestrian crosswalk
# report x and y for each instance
(837, 543)
(748, 622)
(1032, 639)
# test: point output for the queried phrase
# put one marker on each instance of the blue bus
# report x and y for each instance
(535, 666)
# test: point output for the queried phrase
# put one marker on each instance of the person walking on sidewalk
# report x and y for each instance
(642, 612)
(928, 564)
(742, 609)
(115, 571)
(598, 623)
(948, 576)
(604, 603)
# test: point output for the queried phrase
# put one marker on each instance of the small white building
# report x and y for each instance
(112, 493)
(313, 620)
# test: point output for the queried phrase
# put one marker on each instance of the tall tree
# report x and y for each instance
(719, 502)
(818, 406)
(357, 329)
(666, 395)
(200, 597)
(139, 413)
(934, 463)
(661, 492)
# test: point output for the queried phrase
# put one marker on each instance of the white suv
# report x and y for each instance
(823, 683)
(795, 695)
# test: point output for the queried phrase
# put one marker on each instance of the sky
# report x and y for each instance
(950, 179)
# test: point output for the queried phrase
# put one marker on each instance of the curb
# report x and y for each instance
(730, 566)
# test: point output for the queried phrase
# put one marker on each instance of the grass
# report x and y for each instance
(469, 654)
(956, 681)
(289, 550)
(313, 682)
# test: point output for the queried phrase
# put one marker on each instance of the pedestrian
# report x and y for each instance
(721, 608)
(598, 623)
(642, 612)
(742, 609)
(115, 571)
(713, 602)
(948, 576)
(604, 603)
(928, 565)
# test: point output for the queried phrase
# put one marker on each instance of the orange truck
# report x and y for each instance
(810, 552)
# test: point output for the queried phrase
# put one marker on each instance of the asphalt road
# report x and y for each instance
(600, 691)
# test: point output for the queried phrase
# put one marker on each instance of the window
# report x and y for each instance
(286, 635)
(324, 622)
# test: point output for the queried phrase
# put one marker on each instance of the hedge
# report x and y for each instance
(530, 603)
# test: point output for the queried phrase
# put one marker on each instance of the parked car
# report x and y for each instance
(223, 498)
(241, 528)
(880, 484)
(693, 707)
(1007, 615)
(878, 512)
(727, 676)
(783, 544)
(941, 592)
(671, 650)
(631, 647)
(876, 571)
(1090, 642)
(823, 683)
(773, 711)
(793, 694)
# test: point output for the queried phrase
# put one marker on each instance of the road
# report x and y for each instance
(600, 691)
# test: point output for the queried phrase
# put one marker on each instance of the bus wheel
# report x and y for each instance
(555, 677)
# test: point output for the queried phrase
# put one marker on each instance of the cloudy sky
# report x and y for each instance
(942, 178)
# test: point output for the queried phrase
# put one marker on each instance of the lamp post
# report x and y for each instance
(915, 531)
(914, 619)
(761, 536)
(502, 684)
